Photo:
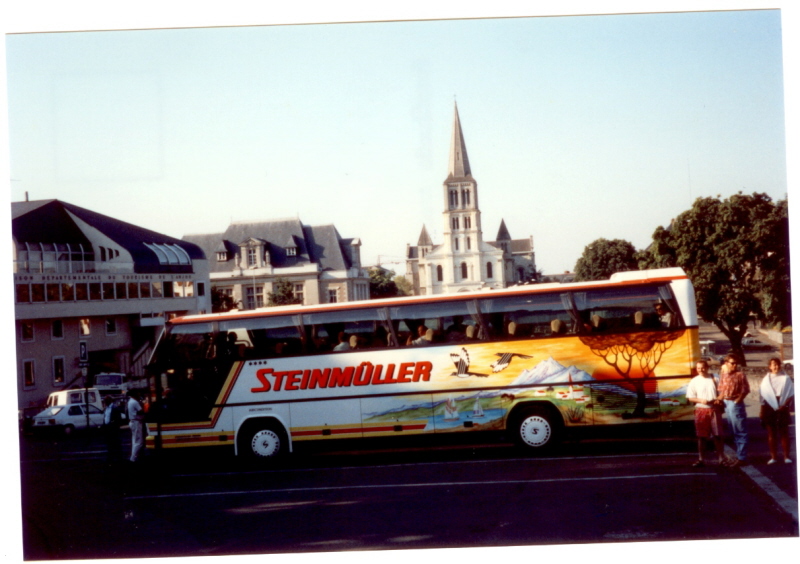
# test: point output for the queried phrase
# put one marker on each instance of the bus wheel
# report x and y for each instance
(536, 429)
(264, 441)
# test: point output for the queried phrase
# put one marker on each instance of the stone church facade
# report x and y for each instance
(464, 261)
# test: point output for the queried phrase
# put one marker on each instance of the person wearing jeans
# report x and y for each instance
(733, 388)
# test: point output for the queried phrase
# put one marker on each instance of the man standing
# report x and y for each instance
(733, 388)
(136, 424)
(111, 424)
(702, 392)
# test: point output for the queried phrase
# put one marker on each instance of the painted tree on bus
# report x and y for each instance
(634, 357)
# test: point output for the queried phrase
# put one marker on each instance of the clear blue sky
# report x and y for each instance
(576, 127)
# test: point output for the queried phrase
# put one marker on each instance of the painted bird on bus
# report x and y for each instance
(461, 361)
(504, 360)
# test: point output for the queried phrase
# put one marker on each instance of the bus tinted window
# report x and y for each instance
(448, 320)
(339, 331)
(533, 315)
(626, 308)
(265, 337)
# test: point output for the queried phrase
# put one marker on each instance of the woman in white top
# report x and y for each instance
(777, 393)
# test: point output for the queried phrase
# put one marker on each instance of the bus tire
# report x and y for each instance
(263, 440)
(537, 429)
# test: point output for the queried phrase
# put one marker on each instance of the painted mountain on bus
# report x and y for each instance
(551, 371)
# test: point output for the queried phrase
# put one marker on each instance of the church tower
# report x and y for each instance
(464, 261)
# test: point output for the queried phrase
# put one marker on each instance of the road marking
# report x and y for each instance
(784, 500)
(405, 464)
(424, 485)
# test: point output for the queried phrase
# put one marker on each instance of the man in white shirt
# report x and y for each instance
(136, 424)
(702, 392)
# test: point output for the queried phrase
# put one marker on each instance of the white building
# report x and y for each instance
(249, 257)
(464, 261)
(91, 294)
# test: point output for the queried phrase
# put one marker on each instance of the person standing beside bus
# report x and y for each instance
(136, 424)
(702, 392)
(777, 393)
(733, 388)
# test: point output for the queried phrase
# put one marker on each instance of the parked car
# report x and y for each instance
(68, 418)
(754, 343)
(66, 411)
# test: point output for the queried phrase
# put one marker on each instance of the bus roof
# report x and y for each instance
(617, 279)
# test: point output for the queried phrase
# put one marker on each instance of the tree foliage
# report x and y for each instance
(282, 293)
(404, 287)
(221, 301)
(382, 284)
(736, 253)
(603, 257)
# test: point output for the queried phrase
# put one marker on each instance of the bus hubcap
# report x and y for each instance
(265, 443)
(535, 431)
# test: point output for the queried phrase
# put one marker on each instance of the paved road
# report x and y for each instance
(75, 505)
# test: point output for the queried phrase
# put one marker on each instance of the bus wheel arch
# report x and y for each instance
(536, 426)
(263, 438)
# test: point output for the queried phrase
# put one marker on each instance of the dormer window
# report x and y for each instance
(252, 254)
(222, 256)
(291, 251)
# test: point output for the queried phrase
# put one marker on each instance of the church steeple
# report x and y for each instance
(459, 161)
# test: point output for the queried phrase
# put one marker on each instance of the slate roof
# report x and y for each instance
(47, 221)
(320, 244)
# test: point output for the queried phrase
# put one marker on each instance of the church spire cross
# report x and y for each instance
(459, 161)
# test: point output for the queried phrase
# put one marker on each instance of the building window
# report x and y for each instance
(53, 292)
(23, 293)
(29, 373)
(68, 292)
(464, 270)
(467, 223)
(108, 290)
(133, 290)
(144, 289)
(453, 198)
(456, 243)
(489, 273)
(297, 290)
(469, 244)
(85, 327)
(26, 331)
(58, 370)
(251, 256)
(455, 223)
(222, 256)
(156, 290)
(255, 297)
(333, 296)
(57, 329)
(439, 276)
(521, 273)
(37, 292)
(81, 292)
(121, 292)
(201, 289)
(169, 290)
(291, 251)
(111, 326)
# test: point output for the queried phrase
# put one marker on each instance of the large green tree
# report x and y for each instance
(736, 253)
(603, 257)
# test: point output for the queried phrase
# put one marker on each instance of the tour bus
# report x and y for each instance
(532, 360)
